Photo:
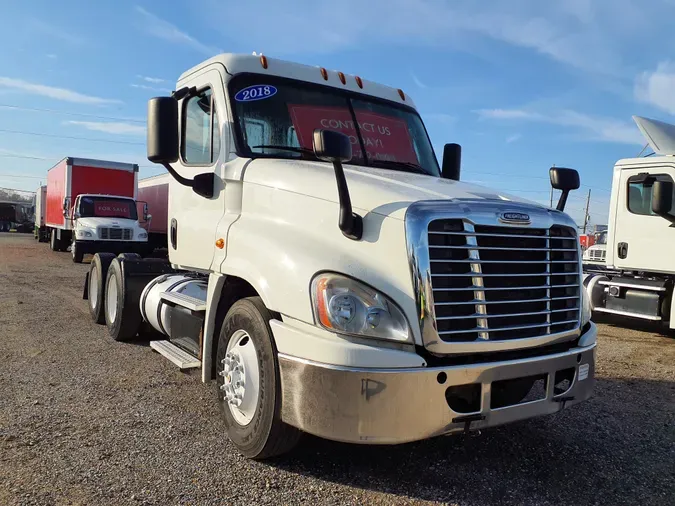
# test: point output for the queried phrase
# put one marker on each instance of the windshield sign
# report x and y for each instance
(384, 137)
(107, 208)
(277, 117)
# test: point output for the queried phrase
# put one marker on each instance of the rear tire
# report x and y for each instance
(76, 253)
(53, 241)
(98, 273)
(265, 435)
(122, 311)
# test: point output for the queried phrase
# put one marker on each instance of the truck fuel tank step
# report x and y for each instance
(180, 299)
(172, 352)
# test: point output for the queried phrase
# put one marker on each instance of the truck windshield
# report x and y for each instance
(107, 207)
(276, 118)
(602, 238)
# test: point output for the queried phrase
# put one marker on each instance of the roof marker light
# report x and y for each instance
(263, 61)
(343, 80)
(401, 94)
(324, 74)
(359, 81)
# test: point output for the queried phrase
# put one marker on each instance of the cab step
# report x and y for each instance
(179, 357)
(179, 299)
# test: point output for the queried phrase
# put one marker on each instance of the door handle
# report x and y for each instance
(174, 233)
(622, 250)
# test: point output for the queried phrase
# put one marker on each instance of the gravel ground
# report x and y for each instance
(85, 420)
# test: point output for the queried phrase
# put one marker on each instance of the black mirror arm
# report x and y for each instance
(349, 222)
(180, 179)
(563, 200)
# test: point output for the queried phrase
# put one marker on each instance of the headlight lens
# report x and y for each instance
(344, 305)
(84, 233)
(143, 235)
(586, 309)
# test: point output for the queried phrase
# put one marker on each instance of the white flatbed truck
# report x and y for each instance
(332, 279)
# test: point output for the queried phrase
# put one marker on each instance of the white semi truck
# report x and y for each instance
(333, 279)
(639, 273)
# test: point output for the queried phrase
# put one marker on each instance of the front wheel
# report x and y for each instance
(248, 384)
(77, 253)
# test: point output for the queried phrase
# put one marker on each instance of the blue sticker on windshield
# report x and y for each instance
(255, 92)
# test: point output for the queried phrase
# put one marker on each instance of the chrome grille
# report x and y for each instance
(123, 234)
(496, 283)
(597, 254)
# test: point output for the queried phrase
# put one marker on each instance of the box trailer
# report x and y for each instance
(91, 207)
(154, 192)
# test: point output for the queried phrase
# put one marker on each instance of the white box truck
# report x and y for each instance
(638, 278)
(333, 279)
(40, 230)
(91, 207)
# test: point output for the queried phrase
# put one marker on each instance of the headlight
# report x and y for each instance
(143, 235)
(347, 306)
(585, 306)
(84, 233)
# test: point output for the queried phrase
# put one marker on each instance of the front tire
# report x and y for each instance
(77, 253)
(98, 273)
(122, 311)
(248, 385)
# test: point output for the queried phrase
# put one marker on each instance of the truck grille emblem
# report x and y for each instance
(511, 217)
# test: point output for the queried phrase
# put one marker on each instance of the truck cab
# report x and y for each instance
(107, 223)
(596, 254)
(332, 278)
(640, 271)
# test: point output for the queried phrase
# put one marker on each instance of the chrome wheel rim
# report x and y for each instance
(93, 288)
(111, 299)
(241, 377)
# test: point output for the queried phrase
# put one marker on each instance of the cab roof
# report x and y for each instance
(242, 63)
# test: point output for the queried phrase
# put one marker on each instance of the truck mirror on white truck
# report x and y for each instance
(452, 161)
(662, 199)
(163, 143)
(331, 146)
(565, 180)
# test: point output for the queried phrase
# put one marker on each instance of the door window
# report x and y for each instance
(640, 192)
(201, 137)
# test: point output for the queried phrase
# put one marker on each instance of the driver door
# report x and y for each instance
(193, 219)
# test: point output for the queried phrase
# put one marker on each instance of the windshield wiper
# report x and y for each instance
(305, 151)
(391, 164)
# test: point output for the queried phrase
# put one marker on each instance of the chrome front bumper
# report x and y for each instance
(389, 406)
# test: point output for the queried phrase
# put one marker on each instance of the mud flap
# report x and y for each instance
(85, 292)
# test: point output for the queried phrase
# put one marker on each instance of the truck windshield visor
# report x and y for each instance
(105, 207)
(276, 117)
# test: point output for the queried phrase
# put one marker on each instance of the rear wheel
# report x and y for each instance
(122, 312)
(248, 384)
(98, 273)
(53, 241)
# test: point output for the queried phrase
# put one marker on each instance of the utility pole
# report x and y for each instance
(588, 203)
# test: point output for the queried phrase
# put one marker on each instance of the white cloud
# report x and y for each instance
(658, 87)
(587, 127)
(115, 127)
(162, 29)
(416, 80)
(150, 88)
(513, 138)
(154, 80)
(53, 92)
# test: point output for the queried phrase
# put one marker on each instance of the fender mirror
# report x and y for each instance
(331, 146)
(452, 161)
(565, 180)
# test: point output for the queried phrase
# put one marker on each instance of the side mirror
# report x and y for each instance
(163, 130)
(204, 184)
(452, 162)
(336, 147)
(662, 198)
(565, 180)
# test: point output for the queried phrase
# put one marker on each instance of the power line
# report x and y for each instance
(22, 177)
(503, 174)
(68, 113)
(39, 134)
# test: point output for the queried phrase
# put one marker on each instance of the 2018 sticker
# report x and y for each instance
(255, 92)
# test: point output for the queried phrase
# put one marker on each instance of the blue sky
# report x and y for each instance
(520, 84)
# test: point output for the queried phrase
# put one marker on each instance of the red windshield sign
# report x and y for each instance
(384, 137)
(114, 208)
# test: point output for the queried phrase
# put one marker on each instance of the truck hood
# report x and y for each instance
(106, 222)
(382, 191)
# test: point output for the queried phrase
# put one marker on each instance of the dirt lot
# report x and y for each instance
(85, 420)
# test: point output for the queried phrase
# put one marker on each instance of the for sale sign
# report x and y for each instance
(384, 137)
(114, 208)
